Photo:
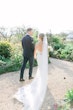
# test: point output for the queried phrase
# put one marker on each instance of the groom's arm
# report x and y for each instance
(23, 42)
(32, 44)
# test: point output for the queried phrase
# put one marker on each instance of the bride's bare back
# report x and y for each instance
(39, 45)
(38, 48)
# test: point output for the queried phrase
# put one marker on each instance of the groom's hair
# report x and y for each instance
(29, 29)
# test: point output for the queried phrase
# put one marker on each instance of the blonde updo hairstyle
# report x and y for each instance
(41, 36)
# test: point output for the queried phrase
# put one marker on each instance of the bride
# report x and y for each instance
(33, 94)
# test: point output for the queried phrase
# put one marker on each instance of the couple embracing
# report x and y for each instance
(32, 95)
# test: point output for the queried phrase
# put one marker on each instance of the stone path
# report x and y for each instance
(60, 79)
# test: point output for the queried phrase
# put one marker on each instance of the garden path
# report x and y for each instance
(60, 79)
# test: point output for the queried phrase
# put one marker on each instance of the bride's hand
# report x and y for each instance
(35, 57)
(35, 52)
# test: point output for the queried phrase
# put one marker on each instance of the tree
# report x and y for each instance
(49, 36)
(3, 32)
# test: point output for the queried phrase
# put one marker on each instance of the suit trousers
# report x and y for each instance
(25, 60)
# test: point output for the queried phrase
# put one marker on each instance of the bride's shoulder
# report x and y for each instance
(38, 43)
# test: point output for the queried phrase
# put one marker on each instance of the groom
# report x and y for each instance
(28, 53)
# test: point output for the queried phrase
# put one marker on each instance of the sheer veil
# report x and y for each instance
(33, 94)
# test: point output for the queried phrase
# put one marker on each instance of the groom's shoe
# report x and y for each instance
(31, 78)
(22, 80)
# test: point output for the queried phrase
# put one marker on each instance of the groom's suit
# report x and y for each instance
(28, 54)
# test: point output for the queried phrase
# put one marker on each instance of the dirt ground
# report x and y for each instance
(60, 79)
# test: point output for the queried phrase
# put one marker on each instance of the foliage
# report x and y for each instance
(64, 107)
(9, 67)
(16, 56)
(56, 43)
(61, 50)
(2, 63)
(2, 58)
(69, 96)
(35, 36)
(5, 49)
(13, 63)
(17, 59)
(67, 103)
(11, 50)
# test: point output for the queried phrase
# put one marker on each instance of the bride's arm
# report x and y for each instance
(35, 50)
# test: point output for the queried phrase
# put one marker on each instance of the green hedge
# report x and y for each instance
(57, 43)
(5, 49)
(66, 53)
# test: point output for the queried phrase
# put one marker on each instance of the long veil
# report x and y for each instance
(33, 94)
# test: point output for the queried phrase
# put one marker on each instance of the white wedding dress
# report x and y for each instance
(33, 94)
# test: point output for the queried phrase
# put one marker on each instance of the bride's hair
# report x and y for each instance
(41, 36)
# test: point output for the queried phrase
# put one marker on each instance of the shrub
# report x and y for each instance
(61, 50)
(57, 43)
(69, 95)
(17, 59)
(2, 63)
(5, 49)
(2, 58)
(9, 67)
(71, 56)
(64, 54)
(55, 54)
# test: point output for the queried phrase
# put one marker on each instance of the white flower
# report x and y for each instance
(50, 48)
